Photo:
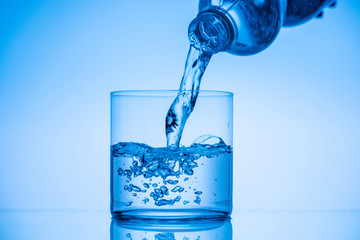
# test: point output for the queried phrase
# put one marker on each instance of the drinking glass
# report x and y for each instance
(150, 180)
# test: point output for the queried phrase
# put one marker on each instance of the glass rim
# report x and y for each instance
(168, 93)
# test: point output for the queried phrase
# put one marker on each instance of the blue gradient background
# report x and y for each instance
(296, 105)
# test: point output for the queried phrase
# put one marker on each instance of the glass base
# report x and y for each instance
(166, 214)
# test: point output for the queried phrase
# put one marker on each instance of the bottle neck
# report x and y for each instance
(210, 32)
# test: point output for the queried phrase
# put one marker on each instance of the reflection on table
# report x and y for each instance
(247, 225)
(133, 229)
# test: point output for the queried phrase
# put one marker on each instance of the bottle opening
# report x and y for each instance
(210, 32)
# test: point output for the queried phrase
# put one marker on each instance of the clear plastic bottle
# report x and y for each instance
(246, 27)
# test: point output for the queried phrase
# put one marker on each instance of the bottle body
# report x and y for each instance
(301, 11)
(252, 25)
